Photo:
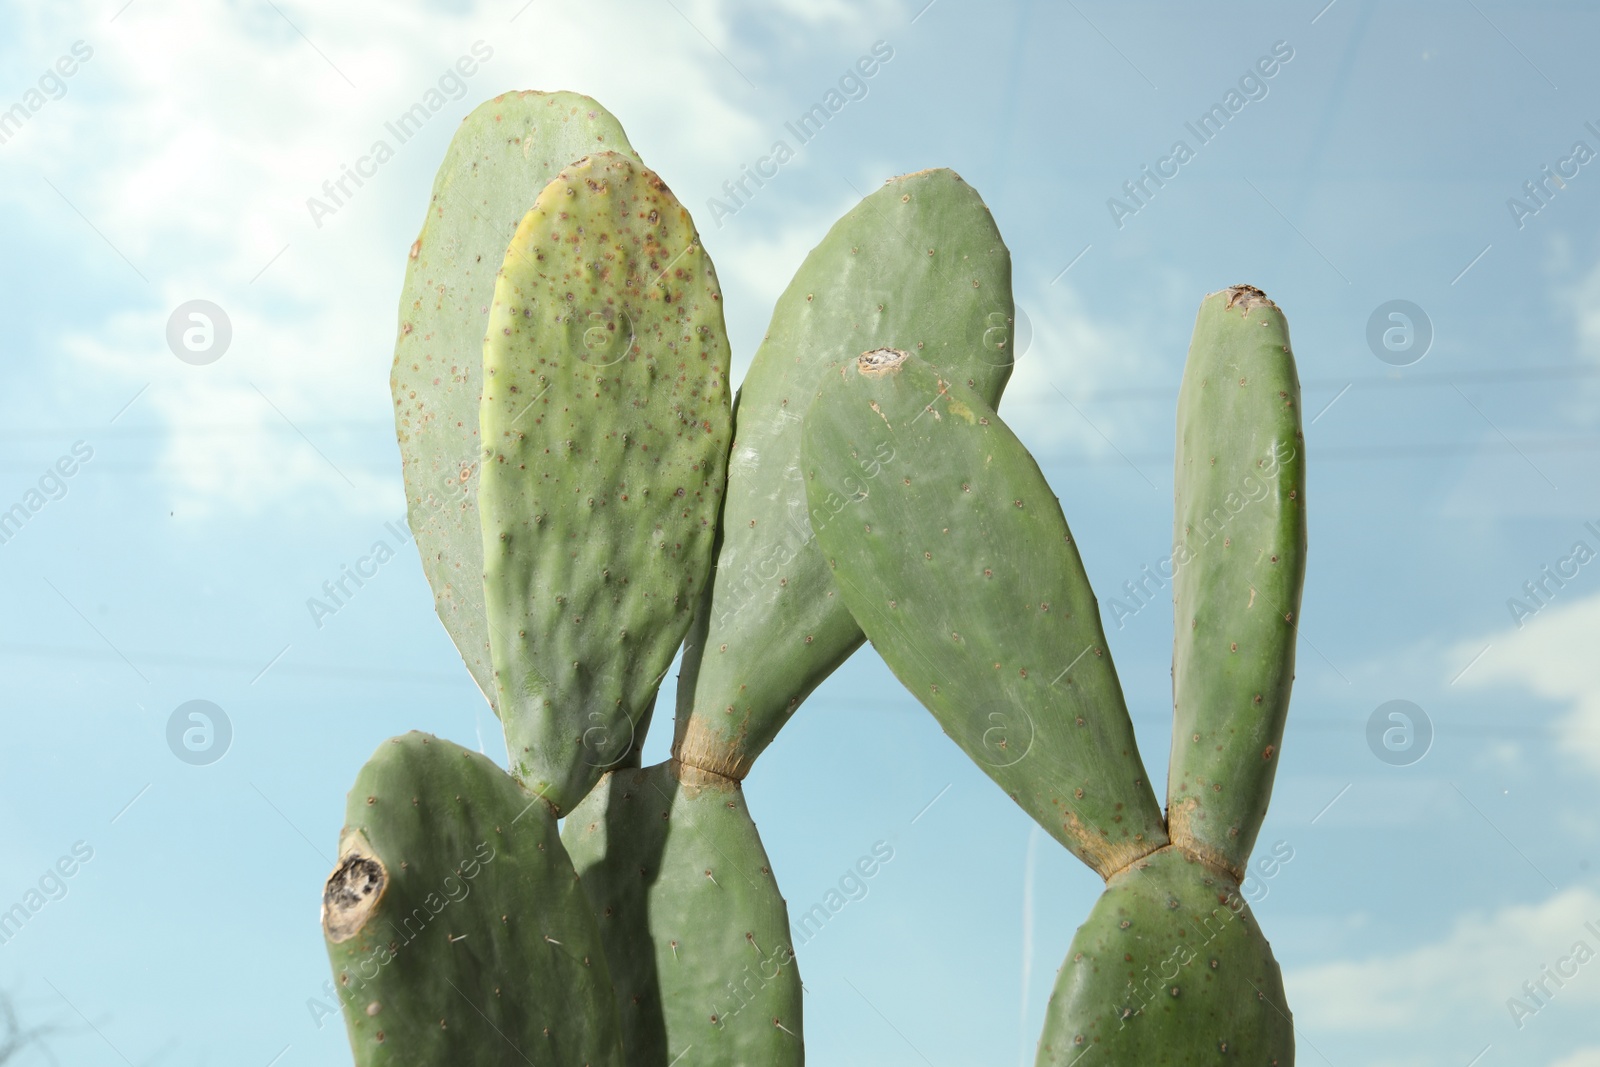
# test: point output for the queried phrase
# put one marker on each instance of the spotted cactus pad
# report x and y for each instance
(502, 155)
(606, 425)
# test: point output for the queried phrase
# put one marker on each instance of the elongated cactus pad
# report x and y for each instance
(455, 924)
(1239, 547)
(952, 553)
(1170, 970)
(918, 264)
(606, 424)
(504, 153)
(695, 929)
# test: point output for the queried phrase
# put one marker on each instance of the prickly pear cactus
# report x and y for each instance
(695, 927)
(605, 423)
(954, 557)
(456, 928)
(958, 565)
(561, 402)
(500, 158)
(1239, 546)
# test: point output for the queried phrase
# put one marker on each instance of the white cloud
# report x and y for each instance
(1551, 656)
(1583, 300)
(719, 20)
(194, 136)
(1073, 353)
(1578, 295)
(1584, 1057)
(1470, 973)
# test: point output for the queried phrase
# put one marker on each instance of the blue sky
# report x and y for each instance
(1377, 163)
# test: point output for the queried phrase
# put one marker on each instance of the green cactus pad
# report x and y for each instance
(1170, 970)
(1239, 548)
(503, 154)
(695, 929)
(918, 264)
(456, 926)
(605, 425)
(951, 551)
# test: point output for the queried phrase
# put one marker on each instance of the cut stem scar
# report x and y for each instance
(352, 891)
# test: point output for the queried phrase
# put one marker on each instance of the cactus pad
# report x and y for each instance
(1239, 546)
(503, 154)
(951, 551)
(696, 931)
(605, 423)
(455, 924)
(1169, 970)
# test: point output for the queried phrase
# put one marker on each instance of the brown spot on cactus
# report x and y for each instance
(352, 891)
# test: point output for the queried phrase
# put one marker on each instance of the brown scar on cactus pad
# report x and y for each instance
(352, 891)
(1245, 297)
(880, 361)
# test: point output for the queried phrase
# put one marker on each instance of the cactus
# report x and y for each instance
(605, 422)
(572, 473)
(506, 151)
(436, 956)
(1169, 969)
(695, 929)
(956, 561)
(1239, 545)
(695, 926)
